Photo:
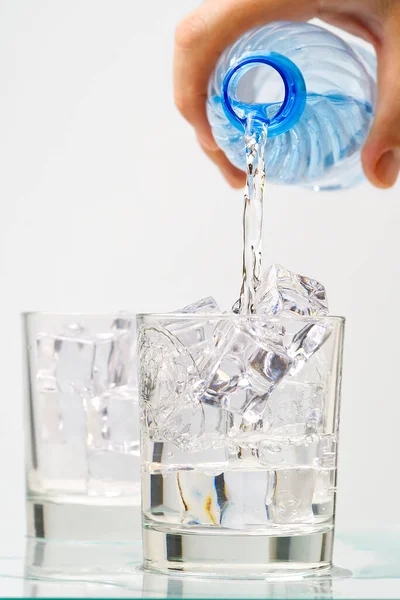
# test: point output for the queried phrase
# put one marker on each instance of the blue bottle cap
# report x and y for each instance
(292, 106)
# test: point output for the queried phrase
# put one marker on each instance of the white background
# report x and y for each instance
(108, 203)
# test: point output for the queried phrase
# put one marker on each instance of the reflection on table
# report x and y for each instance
(369, 568)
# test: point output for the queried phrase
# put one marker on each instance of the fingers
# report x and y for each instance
(202, 37)
(234, 176)
(381, 154)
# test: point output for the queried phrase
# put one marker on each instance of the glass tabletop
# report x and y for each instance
(367, 565)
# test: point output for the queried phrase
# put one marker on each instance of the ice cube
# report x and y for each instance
(324, 495)
(113, 421)
(47, 348)
(51, 423)
(268, 365)
(201, 497)
(205, 305)
(254, 408)
(113, 442)
(78, 360)
(224, 372)
(283, 291)
(244, 437)
(123, 366)
(198, 336)
(184, 496)
(306, 342)
(61, 448)
(162, 496)
(243, 371)
(76, 369)
(292, 497)
(168, 376)
(296, 408)
(245, 498)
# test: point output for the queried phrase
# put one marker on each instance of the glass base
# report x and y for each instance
(109, 521)
(237, 555)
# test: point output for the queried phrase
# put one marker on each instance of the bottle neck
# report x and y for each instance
(286, 115)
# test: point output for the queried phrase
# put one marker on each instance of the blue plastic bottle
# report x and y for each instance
(317, 132)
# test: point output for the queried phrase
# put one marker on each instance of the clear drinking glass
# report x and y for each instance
(239, 441)
(82, 427)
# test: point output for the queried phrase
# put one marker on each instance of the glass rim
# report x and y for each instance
(238, 317)
(49, 313)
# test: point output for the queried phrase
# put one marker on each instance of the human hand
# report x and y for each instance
(203, 35)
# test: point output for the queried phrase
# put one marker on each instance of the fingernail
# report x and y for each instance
(208, 143)
(388, 166)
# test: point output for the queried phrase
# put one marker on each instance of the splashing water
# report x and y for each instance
(256, 138)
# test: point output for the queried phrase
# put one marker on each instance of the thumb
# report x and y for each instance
(381, 154)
